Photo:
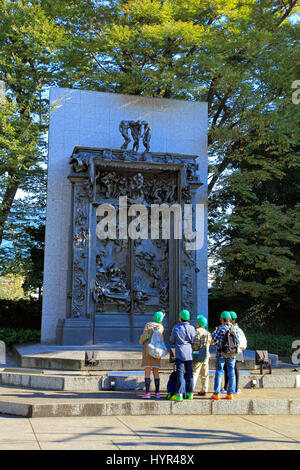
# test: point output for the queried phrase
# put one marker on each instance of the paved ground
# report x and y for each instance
(187, 433)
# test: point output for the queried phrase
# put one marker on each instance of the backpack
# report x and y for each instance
(156, 347)
(230, 344)
(172, 384)
(200, 354)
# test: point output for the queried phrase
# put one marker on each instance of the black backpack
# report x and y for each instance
(171, 385)
(230, 343)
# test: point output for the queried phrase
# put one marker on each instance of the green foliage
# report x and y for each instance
(240, 57)
(262, 229)
(12, 336)
(22, 313)
(274, 344)
(29, 43)
(11, 287)
(33, 267)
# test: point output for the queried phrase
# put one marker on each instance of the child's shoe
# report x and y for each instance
(176, 398)
(157, 395)
(223, 390)
(229, 397)
(202, 394)
(147, 395)
(215, 397)
(189, 396)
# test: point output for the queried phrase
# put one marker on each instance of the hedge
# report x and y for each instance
(275, 344)
(12, 336)
(20, 314)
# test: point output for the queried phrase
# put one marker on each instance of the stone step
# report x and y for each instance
(111, 357)
(130, 380)
(50, 404)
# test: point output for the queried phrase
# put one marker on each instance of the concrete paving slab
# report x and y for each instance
(225, 443)
(19, 445)
(102, 427)
(278, 424)
(14, 424)
(76, 444)
(90, 436)
(191, 426)
(185, 432)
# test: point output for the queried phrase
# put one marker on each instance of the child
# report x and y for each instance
(239, 357)
(182, 336)
(203, 340)
(149, 362)
(218, 337)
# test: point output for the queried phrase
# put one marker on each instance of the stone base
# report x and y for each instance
(113, 356)
(16, 402)
(120, 381)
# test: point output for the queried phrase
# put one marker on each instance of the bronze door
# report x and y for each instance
(131, 276)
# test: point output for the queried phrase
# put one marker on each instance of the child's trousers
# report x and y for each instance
(202, 369)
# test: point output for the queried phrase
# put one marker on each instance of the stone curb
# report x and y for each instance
(152, 408)
(128, 382)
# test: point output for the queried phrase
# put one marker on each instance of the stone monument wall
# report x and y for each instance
(91, 120)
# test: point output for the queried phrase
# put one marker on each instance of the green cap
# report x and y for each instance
(184, 315)
(202, 321)
(158, 317)
(233, 315)
(225, 315)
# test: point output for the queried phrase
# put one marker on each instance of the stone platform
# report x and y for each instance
(28, 403)
(113, 356)
(54, 381)
(129, 380)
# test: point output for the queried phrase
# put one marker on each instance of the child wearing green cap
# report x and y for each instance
(218, 336)
(202, 341)
(239, 357)
(149, 362)
(182, 336)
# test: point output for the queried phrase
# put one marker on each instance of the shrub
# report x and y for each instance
(20, 314)
(12, 336)
(275, 344)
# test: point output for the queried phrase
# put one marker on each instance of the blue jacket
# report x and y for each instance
(182, 336)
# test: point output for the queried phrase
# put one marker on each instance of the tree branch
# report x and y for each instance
(288, 11)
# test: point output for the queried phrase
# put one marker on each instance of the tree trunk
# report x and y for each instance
(5, 206)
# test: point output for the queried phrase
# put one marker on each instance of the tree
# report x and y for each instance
(260, 258)
(29, 42)
(239, 57)
(33, 268)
